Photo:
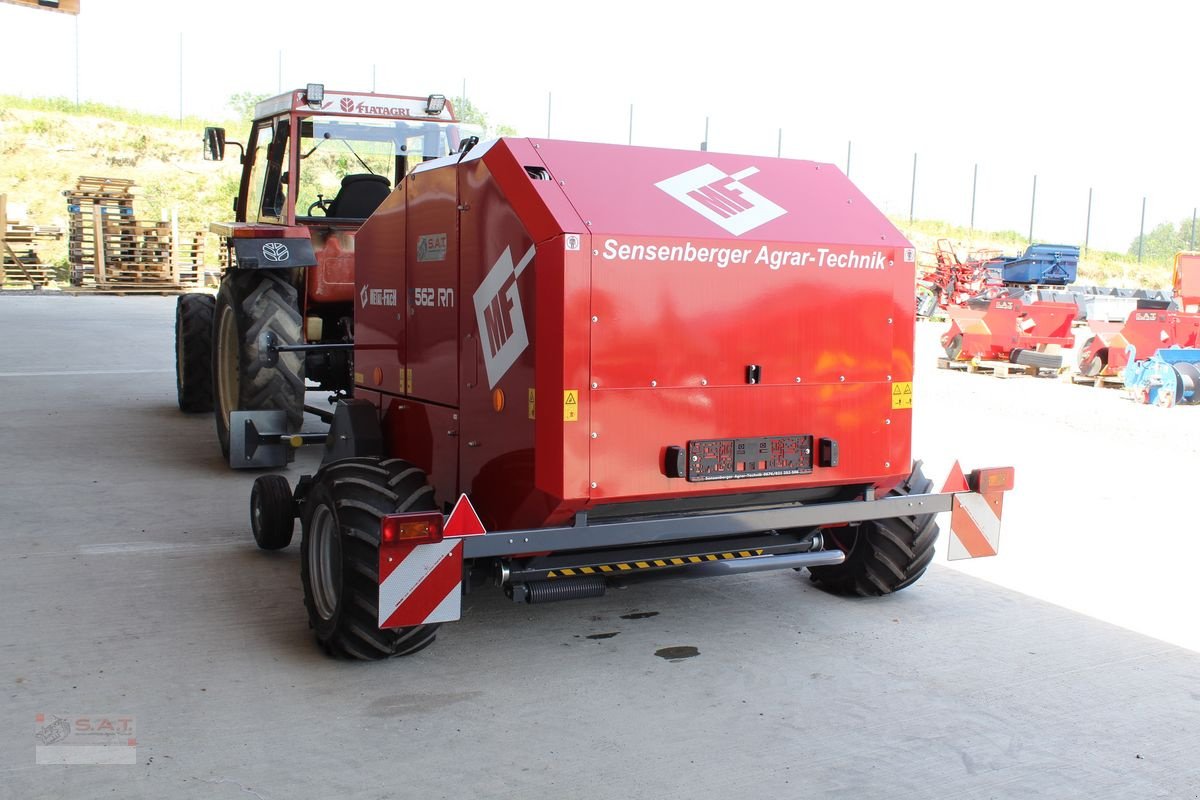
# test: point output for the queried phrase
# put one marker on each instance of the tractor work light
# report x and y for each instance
(420, 528)
(314, 94)
(435, 104)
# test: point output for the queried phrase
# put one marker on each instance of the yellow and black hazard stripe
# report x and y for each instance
(650, 563)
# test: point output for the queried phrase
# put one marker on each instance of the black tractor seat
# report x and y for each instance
(359, 196)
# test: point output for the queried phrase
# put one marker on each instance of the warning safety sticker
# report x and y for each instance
(571, 405)
(902, 395)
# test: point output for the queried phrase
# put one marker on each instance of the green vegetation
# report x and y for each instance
(1160, 245)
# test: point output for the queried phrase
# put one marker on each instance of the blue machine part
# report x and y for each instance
(1042, 264)
(1169, 377)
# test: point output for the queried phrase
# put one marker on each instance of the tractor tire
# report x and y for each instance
(249, 306)
(339, 555)
(193, 352)
(272, 513)
(882, 556)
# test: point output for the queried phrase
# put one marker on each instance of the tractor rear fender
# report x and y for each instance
(421, 580)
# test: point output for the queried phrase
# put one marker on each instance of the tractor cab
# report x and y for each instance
(316, 157)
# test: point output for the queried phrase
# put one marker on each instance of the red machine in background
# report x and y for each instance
(1008, 329)
(954, 281)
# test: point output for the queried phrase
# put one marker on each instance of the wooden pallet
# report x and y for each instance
(998, 369)
(1099, 381)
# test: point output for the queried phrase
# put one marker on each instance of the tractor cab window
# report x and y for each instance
(349, 165)
(267, 191)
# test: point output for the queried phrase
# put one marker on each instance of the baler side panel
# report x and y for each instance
(426, 435)
(379, 322)
(432, 296)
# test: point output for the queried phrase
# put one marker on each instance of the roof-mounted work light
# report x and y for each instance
(314, 94)
(435, 104)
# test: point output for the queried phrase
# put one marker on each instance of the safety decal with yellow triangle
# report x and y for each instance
(902, 395)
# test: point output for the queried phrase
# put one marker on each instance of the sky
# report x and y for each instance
(1096, 95)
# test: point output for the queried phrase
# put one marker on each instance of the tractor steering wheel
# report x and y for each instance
(320, 203)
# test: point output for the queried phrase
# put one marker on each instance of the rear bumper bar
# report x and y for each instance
(621, 533)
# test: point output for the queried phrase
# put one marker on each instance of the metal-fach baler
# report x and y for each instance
(579, 363)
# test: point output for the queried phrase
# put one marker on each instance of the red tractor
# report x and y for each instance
(316, 165)
(577, 364)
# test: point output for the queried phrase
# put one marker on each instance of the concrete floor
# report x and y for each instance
(129, 584)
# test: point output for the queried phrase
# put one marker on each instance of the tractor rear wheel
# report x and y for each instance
(193, 352)
(882, 556)
(339, 555)
(252, 307)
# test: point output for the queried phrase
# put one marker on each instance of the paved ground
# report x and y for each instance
(129, 585)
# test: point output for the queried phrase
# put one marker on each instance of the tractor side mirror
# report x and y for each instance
(214, 144)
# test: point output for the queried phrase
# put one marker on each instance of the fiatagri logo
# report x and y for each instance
(353, 105)
(722, 198)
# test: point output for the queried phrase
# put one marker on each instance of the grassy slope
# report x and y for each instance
(46, 144)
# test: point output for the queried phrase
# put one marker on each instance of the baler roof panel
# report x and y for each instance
(641, 191)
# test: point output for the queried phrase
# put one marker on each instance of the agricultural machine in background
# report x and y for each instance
(1019, 316)
(576, 364)
(315, 166)
(1156, 350)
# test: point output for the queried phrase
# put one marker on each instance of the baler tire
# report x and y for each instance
(249, 305)
(272, 513)
(885, 555)
(193, 352)
(340, 546)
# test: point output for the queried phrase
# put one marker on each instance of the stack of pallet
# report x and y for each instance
(112, 250)
(19, 259)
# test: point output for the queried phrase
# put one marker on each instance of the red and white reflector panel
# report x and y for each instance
(420, 584)
(975, 525)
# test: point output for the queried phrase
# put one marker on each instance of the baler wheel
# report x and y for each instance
(1091, 367)
(193, 352)
(249, 306)
(272, 513)
(339, 554)
(882, 556)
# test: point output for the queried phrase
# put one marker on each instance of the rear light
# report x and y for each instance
(998, 479)
(421, 528)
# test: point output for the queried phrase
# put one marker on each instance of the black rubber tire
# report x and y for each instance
(193, 352)
(882, 556)
(1091, 367)
(272, 513)
(252, 304)
(350, 496)
(1032, 358)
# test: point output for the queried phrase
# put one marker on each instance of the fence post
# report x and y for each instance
(1142, 231)
(849, 144)
(974, 186)
(704, 144)
(1192, 243)
(1087, 229)
(912, 198)
(1032, 207)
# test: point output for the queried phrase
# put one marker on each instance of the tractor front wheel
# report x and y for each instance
(882, 556)
(254, 308)
(339, 555)
(193, 352)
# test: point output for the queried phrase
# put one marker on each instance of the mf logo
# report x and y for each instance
(722, 198)
(499, 315)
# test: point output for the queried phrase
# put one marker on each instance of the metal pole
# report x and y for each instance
(912, 198)
(549, 105)
(631, 123)
(1032, 207)
(280, 73)
(372, 78)
(974, 186)
(181, 78)
(76, 62)
(1087, 230)
(704, 144)
(849, 144)
(1142, 231)
(779, 145)
(1192, 243)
